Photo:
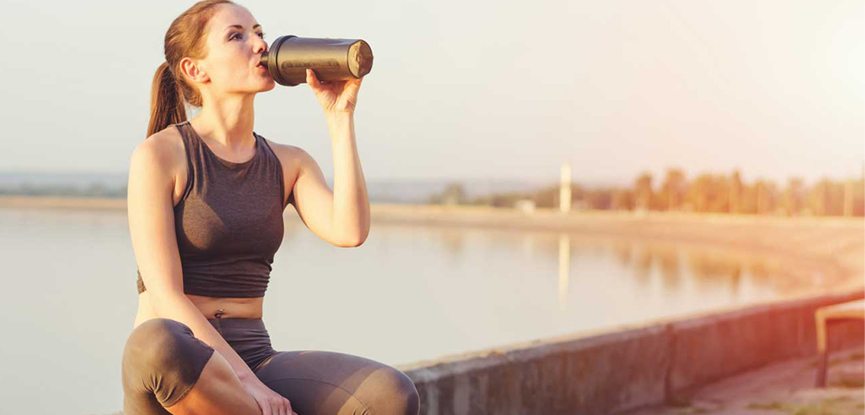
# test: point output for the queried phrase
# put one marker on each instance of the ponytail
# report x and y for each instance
(184, 38)
(166, 102)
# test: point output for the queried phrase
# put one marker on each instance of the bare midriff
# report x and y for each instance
(209, 307)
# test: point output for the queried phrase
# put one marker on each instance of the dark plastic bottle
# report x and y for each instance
(331, 59)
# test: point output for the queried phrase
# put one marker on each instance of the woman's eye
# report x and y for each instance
(237, 35)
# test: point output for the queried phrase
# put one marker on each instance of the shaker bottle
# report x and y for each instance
(331, 59)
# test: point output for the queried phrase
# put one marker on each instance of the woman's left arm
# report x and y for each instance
(340, 217)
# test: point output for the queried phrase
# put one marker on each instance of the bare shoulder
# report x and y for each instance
(294, 160)
(292, 157)
(161, 153)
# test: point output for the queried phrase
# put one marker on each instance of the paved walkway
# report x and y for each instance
(783, 388)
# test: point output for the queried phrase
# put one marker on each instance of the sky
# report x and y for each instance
(479, 89)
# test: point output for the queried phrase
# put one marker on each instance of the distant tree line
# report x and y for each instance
(719, 193)
(91, 190)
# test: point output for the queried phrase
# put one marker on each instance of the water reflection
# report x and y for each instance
(710, 269)
(564, 269)
(672, 266)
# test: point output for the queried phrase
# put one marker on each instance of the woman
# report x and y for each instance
(205, 204)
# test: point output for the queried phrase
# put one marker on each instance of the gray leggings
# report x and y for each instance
(162, 360)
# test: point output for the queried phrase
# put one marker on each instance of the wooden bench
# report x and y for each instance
(826, 317)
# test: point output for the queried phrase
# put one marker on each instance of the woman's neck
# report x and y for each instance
(228, 122)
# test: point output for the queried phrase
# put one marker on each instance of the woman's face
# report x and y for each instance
(234, 44)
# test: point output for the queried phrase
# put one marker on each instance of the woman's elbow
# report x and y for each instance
(354, 243)
(351, 242)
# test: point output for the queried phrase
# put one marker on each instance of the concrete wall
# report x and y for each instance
(620, 371)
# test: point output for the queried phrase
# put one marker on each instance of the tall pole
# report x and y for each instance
(565, 189)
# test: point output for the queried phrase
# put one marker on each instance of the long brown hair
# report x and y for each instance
(185, 37)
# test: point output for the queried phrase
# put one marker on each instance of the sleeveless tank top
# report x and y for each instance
(229, 222)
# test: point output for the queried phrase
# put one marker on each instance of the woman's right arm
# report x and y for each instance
(154, 242)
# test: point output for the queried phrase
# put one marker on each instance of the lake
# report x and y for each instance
(409, 293)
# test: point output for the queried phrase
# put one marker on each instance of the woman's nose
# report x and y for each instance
(260, 45)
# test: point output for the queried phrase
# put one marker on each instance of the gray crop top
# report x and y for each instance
(229, 221)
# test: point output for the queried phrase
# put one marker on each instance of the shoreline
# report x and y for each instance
(413, 210)
(832, 246)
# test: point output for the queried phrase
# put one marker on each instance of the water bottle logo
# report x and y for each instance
(330, 63)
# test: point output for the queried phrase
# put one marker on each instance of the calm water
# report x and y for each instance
(409, 293)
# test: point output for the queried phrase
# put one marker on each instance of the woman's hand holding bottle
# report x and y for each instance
(334, 96)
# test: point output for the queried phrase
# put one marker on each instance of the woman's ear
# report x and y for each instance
(193, 71)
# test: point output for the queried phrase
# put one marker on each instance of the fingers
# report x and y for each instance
(353, 85)
(265, 408)
(287, 408)
(281, 406)
(311, 79)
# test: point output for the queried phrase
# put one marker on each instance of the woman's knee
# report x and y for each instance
(165, 357)
(157, 341)
(391, 392)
